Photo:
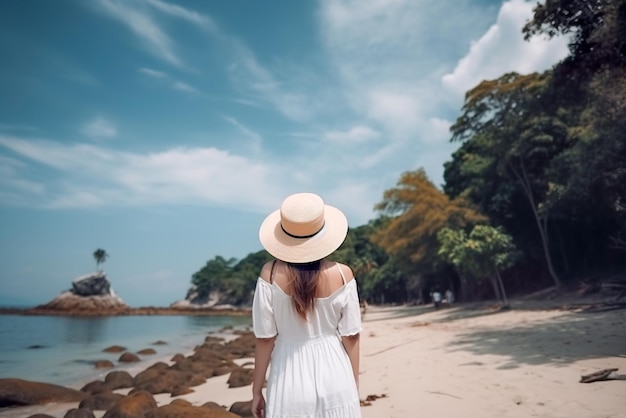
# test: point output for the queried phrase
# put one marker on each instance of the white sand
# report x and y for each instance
(454, 363)
(472, 363)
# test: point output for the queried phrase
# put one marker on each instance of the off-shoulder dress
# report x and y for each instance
(310, 373)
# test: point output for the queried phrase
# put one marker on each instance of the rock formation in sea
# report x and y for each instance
(89, 293)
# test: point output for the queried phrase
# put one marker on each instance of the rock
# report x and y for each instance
(152, 372)
(146, 352)
(74, 304)
(181, 390)
(79, 413)
(94, 284)
(114, 349)
(164, 382)
(135, 405)
(103, 364)
(18, 392)
(101, 401)
(181, 410)
(96, 386)
(177, 357)
(119, 379)
(159, 342)
(243, 409)
(90, 293)
(240, 377)
(129, 358)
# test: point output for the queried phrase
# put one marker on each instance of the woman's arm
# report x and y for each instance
(262, 355)
(352, 347)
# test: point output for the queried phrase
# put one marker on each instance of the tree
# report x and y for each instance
(100, 255)
(484, 253)
(417, 210)
(514, 136)
(452, 250)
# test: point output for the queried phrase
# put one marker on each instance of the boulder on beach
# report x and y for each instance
(89, 293)
(19, 392)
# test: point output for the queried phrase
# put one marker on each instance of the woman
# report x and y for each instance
(306, 316)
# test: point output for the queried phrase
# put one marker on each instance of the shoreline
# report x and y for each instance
(140, 311)
(467, 360)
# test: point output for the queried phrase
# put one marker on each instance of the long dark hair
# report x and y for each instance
(303, 280)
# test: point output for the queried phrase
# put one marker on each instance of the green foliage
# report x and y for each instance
(235, 280)
(482, 254)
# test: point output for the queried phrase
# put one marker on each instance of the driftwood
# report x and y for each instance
(606, 374)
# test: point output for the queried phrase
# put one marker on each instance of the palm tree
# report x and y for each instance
(100, 255)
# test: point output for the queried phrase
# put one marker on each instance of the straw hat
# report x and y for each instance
(303, 230)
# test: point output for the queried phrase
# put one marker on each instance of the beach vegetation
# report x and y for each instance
(100, 256)
(483, 254)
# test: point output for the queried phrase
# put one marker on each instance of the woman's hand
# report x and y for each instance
(258, 406)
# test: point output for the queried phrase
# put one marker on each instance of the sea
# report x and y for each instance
(63, 350)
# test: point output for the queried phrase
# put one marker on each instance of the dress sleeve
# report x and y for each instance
(350, 322)
(263, 322)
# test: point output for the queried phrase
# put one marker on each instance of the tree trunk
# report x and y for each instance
(505, 300)
(496, 288)
(542, 223)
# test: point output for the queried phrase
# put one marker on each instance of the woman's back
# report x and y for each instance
(332, 311)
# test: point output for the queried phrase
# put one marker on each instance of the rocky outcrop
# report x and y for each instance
(194, 299)
(215, 301)
(90, 293)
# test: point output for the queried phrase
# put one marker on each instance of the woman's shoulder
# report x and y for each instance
(344, 270)
(266, 270)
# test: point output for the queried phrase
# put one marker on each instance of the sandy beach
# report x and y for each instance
(470, 361)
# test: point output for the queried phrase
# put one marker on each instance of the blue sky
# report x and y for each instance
(164, 132)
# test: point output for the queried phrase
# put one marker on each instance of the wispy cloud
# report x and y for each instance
(168, 80)
(256, 139)
(259, 84)
(99, 128)
(144, 26)
(177, 11)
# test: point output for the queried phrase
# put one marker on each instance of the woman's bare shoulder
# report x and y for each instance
(346, 270)
(266, 271)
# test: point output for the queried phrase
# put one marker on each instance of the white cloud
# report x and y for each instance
(502, 49)
(99, 128)
(153, 73)
(354, 135)
(90, 176)
(177, 11)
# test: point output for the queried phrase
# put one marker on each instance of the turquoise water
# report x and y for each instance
(62, 350)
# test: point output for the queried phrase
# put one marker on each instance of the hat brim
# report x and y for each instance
(304, 250)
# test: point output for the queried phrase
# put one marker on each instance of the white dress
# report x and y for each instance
(310, 372)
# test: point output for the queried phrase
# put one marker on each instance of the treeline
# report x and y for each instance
(534, 196)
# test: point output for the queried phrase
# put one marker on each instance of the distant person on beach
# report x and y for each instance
(449, 297)
(306, 316)
(436, 299)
